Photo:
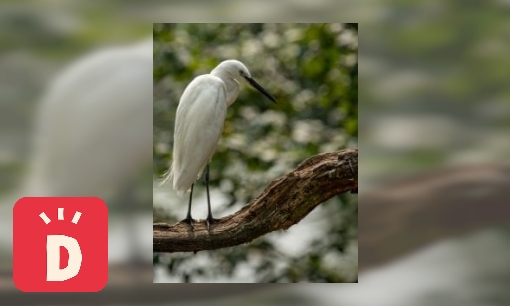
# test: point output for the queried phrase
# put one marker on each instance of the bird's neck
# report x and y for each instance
(232, 90)
(232, 86)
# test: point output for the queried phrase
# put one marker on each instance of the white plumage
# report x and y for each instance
(196, 138)
(93, 137)
(94, 125)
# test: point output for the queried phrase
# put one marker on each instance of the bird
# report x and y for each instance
(199, 123)
(92, 136)
(93, 126)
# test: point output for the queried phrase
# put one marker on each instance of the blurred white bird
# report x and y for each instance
(199, 124)
(93, 137)
(94, 125)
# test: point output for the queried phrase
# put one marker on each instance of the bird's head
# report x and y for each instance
(238, 71)
(234, 69)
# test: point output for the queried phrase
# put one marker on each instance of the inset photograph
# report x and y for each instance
(255, 158)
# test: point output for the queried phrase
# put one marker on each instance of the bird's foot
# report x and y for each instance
(210, 220)
(190, 222)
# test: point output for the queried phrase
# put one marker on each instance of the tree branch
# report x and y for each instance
(409, 213)
(283, 203)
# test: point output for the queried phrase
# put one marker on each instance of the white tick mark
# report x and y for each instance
(45, 218)
(76, 217)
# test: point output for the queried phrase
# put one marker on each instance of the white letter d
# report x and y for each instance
(53, 244)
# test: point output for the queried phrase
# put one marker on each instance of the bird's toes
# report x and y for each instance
(210, 221)
(190, 222)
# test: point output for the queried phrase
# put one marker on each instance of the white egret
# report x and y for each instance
(94, 124)
(199, 123)
(93, 137)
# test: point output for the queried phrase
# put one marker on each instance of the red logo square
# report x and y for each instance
(60, 244)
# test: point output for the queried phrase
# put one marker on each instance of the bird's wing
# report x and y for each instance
(198, 127)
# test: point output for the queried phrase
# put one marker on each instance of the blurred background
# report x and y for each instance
(435, 100)
(311, 69)
(434, 174)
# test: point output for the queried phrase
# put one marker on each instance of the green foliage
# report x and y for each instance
(311, 69)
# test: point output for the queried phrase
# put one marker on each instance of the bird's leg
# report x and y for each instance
(188, 219)
(210, 218)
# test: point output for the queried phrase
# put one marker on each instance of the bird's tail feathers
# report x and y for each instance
(168, 175)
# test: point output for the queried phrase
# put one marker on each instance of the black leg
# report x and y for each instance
(210, 218)
(188, 219)
(206, 181)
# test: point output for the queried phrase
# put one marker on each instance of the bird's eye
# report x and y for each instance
(241, 72)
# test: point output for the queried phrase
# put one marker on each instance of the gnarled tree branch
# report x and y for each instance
(283, 203)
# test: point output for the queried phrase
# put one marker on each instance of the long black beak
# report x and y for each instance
(257, 86)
